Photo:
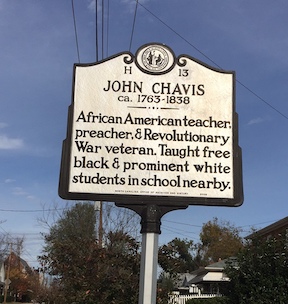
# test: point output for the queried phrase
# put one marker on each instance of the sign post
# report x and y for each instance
(149, 256)
(148, 270)
(152, 131)
(150, 228)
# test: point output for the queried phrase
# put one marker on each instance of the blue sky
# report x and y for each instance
(37, 53)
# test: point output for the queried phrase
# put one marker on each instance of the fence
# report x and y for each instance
(181, 299)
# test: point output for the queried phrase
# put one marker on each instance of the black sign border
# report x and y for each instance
(132, 199)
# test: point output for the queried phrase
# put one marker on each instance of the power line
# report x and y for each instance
(179, 35)
(181, 223)
(96, 29)
(102, 29)
(28, 211)
(207, 57)
(185, 234)
(239, 227)
(107, 27)
(31, 235)
(75, 30)
(170, 28)
(133, 26)
(263, 100)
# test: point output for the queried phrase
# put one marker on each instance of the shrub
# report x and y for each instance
(8, 299)
(216, 300)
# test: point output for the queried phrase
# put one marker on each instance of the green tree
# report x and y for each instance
(177, 256)
(120, 270)
(86, 271)
(165, 285)
(260, 275)
(219, 240)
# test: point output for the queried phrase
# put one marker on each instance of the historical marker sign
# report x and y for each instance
(152, 128)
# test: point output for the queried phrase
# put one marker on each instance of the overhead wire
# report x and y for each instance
(179, 35)
(113, 207)
(75, 31)
(185, 224)
(170, 28)
(212, 61)
(96, 31)
(11, 236)
(102, 28)
(180, 232)
(32, 211)
(107, 28)
(133, 25)
(262, 99)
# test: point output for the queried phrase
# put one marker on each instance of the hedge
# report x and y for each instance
(216, 300)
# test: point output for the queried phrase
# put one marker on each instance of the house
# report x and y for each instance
(207, 282)
(183, 285)
(2, 277)
(273, 230)
(16, 262)
(210, 278)
(203, 283)
(19, 273)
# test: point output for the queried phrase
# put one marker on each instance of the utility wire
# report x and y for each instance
(75, 31)
(169, 27)
(207, 57)
(96, 29)
(262, 99)
(179, 35)
(186, 234)
(102, 29)
(185, 224)
(133, 26)
(107, 27)
(27, 211)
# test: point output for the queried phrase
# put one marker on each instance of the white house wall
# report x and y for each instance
(215, 276)
(2, 273)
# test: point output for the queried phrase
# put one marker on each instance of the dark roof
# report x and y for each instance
(183, 279)
(220, 265)
(217, 267)
(281, 224)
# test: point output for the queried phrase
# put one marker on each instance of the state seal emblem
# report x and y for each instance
(155, 59)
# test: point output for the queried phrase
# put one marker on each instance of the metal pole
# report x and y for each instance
(101, 225)
(151, 215)
(148, 268)
(98, 207)
(7, 281)
(150, 229)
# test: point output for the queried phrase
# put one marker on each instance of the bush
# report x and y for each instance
(216, 300)
(261, 275)
(8, 299)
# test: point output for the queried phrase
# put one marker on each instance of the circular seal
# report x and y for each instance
(155, 58)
